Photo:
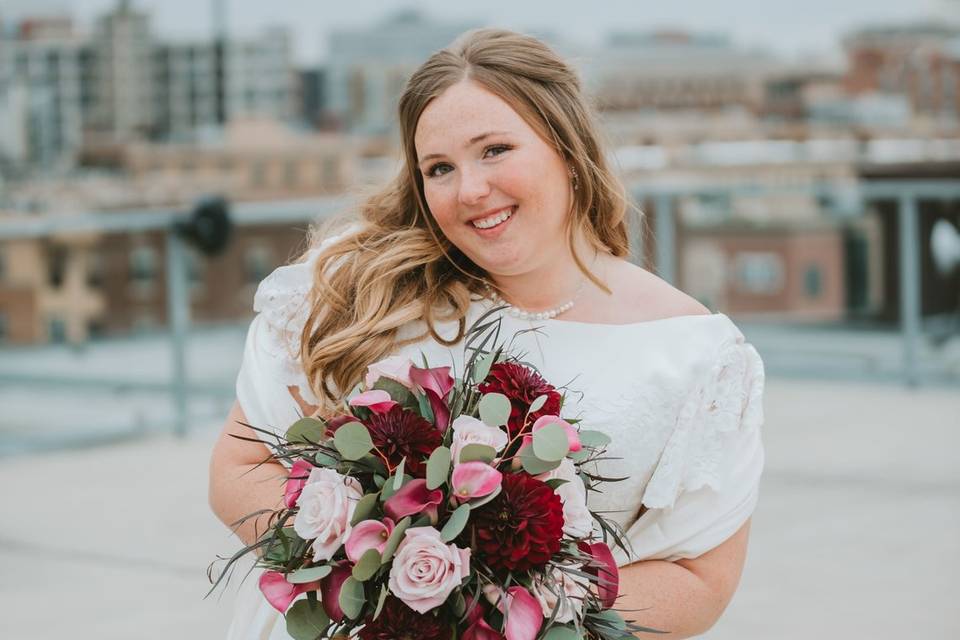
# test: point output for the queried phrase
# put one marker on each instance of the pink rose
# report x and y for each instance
(394, 368)
(326, 506)
(469, 430)
(570, 607)
(577, 520)
(425, 569)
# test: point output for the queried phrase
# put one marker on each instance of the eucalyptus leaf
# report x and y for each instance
(550, 443)
(611, 618)
(438, 467)
(579, 456)
(456, 523)
(352, 598)
(306, 620)
(398, 393)
(553, 483)
(459, 604)
(476, 451)
(398, 474)
(388, 487)
(534, 465)
(426, 410)
(364, 508)
(561, 632)
(353, 441)
(494, 409)
(306, 431)
(310, 574)
(367, 565)
(595, 439)
(482, 367)
(537, 403)
(390, 547)
(324, 459)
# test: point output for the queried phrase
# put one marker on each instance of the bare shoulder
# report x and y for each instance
(651, 296)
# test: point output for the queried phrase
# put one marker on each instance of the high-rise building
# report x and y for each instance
(123, 47)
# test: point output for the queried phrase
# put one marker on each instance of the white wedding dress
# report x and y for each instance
(680, 397)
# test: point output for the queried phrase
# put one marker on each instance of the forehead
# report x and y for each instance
(460, 113)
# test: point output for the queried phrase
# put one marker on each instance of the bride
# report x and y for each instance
(505, 197)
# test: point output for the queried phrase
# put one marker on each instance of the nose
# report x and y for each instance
(474, 186)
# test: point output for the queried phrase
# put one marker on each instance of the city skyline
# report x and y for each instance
(811, 29)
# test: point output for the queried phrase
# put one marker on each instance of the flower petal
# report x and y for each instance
(376, 400)
(474, 480)
(480, 630)
(330, 591)
(412, 498)
(607, 573)
(573, 437)
(436, 383)
(524, 617)
(369, 534)
(278, 592)
(296, 480)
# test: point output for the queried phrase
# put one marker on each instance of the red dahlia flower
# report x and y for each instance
(522, 386)
(402, 433)
(397, 621)
(520, 528)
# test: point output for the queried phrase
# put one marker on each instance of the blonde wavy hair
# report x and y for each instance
(396, 267)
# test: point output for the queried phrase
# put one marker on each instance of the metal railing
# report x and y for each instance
(905, 193)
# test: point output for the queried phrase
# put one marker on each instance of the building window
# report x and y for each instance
(196, 268)
(759, 273)
(57, 330)
(257, 264)
(4, 327)
(143, 266)
(95, 270)
(813, 281)
(56, 266)
(3, 265)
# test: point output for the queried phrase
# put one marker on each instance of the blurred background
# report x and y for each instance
(798, 168)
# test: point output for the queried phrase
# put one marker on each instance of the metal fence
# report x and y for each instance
(179, 386)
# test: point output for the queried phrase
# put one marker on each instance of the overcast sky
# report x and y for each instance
(790, 27)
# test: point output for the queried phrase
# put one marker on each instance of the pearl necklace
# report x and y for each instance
(522, 314)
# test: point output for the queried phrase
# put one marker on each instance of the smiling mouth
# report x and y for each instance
(492, 221)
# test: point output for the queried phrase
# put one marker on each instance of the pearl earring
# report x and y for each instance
(574, 177)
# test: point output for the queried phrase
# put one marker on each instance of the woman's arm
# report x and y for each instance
(685, 597)
(239, 483)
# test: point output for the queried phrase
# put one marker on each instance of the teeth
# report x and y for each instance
(493, 221)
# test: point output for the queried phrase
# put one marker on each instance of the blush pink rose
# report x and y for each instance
(327, 503)
(577, 519)
(469, 430)
(394, 368)
(425, 569)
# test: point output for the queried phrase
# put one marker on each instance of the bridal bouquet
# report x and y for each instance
(438, 507)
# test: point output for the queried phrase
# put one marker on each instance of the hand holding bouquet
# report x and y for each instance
(437, 507)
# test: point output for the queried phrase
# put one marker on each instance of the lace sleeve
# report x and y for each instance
(706, 483)
(271, 358)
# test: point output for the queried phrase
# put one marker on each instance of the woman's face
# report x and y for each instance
(481, 163)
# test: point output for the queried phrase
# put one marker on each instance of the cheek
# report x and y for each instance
(442, 206)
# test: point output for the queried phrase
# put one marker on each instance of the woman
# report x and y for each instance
(505, 197)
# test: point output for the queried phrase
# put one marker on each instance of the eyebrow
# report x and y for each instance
(472, 141)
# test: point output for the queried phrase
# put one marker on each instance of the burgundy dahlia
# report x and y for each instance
(397, 621)
(520, 528)
(522, 386)
(401, 433)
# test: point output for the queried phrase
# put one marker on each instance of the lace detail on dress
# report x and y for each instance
(726, 402)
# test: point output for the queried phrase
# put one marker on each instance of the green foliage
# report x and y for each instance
(475, 451)
(550, 443)
(306, 620)
(494, 409)
(456, 523)
(310, 574)
(367, 566)
(353, 441)
(306, 431)
(352, 598)
(438, 467)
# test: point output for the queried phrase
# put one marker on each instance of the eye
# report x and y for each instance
(496, 150)
(439, 169)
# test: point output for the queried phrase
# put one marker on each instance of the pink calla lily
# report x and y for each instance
(524, 615)
(474, 480)
(436, 383)
(376, 400)
(297, 479)
(280, 593)
(330, 591)
(368, 534)
(413, 498)
(573, 437)
(480, 630)
(607, 572)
